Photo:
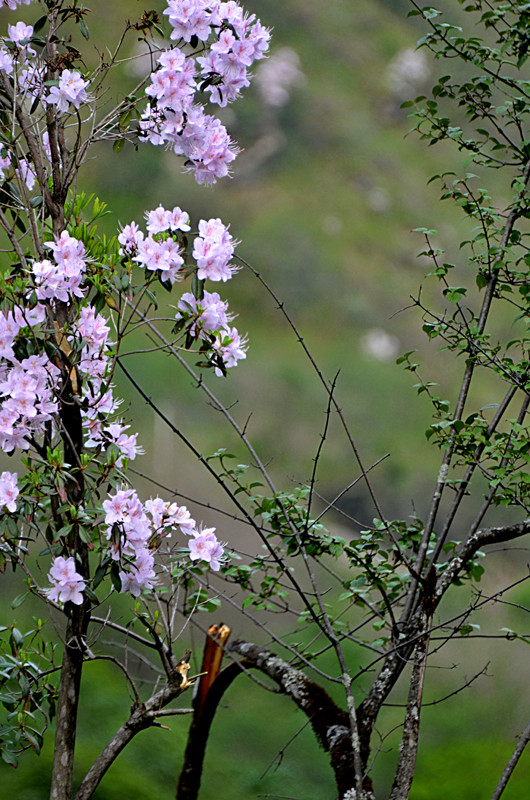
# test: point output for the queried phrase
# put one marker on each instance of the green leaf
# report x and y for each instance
(152, 297)
(455, 293)
(10, 758)
(426, 231)
(197, 287)
(481, 280)
(39, 25)
(91, 594)
(19, 599)
(17, 636)
(125, 119)
(99, 575)
(115, 577)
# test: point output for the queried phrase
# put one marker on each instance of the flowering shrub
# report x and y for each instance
(70, 296)
(43, 360)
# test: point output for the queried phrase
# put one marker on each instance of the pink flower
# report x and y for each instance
(68, 253)
(26, 172)
(12, 4)
(129, 238)
(117, 506)
(179, 515)
(192, 18)
(210, 313)
(179, 220)
(71, 89)
(20, 32)
(141, 576)
(68, 584)
(230, 346)
(158, 510)
(204, 546)
(6, 61)
(157, 220)
(8, 490)
(212, 250)
(92, 327)
(126, 444)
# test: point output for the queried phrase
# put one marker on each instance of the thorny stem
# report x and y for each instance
(467, 477)
(324, 382)
(226, 489)
(462, 398)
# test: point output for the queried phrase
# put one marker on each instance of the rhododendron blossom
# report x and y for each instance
(20, 32)
(26, 173)
(204, 546)
(230, 347)
(59, 343)
(8, 490)
(213, 250)
(134, 529)
(141, 576)
(210, 313)
(70, 90)
(12, 4)
(129, 238)
(67, 584)
(173, 116)
(6, 61)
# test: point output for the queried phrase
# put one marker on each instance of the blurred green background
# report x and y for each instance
(323, 199)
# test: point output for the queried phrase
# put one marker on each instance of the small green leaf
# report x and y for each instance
(10, 758)
(19, 599)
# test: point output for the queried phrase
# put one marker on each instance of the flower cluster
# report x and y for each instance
(55, 348)
(63, 279)
(135, 529)
(242, 39)
(27, 399)
(230, 347)
(205, 547)
(172, 117)
(18, 52)
(99, 401)
(208, 320)
(207, 315)
(29, 387)
(160, 251)
(213, 249)
(160, 255)
(67, 584)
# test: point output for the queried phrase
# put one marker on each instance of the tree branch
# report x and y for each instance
(142, 716)
(512, 762)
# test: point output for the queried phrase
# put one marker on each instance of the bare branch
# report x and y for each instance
(524, 738)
